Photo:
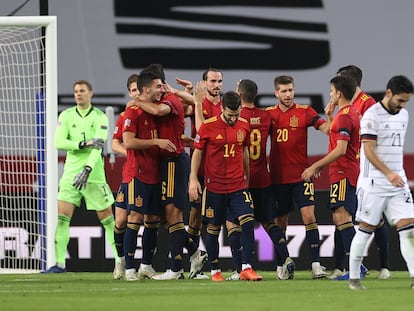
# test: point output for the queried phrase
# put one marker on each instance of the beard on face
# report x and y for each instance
(212, 93)
(229, 121)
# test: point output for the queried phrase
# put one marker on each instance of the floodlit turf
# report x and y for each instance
(98, 291)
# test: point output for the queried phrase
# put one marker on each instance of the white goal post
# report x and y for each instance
(28, 157)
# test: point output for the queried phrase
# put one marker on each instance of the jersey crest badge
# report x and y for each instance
(294, 121)
(240, 136)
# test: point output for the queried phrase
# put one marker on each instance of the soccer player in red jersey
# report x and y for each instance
(224, 140)
(288, 158)
(259, 183)
(343, 159)
(361, 102)
(208, 103)
(211, 106)
(121, 202)
(175, 167)
(141, 174)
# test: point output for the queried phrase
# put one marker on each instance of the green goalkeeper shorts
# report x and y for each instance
(98, 196)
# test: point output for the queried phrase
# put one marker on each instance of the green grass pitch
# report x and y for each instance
(98, 291)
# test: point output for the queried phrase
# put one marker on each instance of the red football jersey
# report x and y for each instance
(118, 127)
(363, 102)
(172, 125)
(209, 110)
(345, 126)
(143, 164)
(289, 141)
(259, 121)
(223, 150)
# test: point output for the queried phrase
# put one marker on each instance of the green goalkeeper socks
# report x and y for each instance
(62, 239)
(109, 224)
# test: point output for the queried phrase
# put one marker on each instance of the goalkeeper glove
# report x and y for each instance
(80, 180)
(97, 143)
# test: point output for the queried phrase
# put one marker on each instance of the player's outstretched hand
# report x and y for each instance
(80, 180)
(200, 91)
(188, 85)
(96, 143)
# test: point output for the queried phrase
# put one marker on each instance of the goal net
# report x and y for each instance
(28, 158)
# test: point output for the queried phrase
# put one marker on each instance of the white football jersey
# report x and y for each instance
(389, 132)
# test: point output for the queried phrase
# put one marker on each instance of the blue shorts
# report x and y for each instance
(264, 204)
(121, 196)
(342, 193)
(288, 196)
(219, 207)
(174, 181)
(143, 198)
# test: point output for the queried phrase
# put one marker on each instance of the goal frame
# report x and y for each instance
(51, 106)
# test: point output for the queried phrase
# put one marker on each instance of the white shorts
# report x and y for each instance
(371, 206)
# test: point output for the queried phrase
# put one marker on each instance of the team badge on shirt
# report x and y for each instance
(240, 136)
(294, 121)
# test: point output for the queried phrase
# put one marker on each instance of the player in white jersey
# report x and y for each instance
(382, 184)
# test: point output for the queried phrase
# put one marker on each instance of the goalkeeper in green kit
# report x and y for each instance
(81, 132)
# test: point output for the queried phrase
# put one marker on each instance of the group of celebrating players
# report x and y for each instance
(230, 181)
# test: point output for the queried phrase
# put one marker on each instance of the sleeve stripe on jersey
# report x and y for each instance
(344, 131)
(315, 119)
(368, 137)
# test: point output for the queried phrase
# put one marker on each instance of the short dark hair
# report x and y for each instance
(345, 85)
(157, 68)
(351, 71)
(210, 69)
(146, 77)
(282, 80)
(85, 82)
(400, 84)
(247, 90)
(231, 100)
(131, 79)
